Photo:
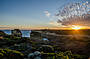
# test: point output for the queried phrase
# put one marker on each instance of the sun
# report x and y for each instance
(76, 27)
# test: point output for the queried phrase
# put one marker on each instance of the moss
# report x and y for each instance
(5, 51)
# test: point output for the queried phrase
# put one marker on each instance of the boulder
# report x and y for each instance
(16, 32)
(35, 55)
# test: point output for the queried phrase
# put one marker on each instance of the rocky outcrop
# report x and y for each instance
(16, 32)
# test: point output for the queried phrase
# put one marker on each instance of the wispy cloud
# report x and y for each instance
(52, 19)
(47, 13)
(75, 14)
(4, 26)
(55, 24)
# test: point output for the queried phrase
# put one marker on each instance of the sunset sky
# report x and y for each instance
(27, 14)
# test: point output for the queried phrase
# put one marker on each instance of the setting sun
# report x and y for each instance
(76, 27)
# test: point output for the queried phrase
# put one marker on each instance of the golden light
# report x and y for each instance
(76, 27)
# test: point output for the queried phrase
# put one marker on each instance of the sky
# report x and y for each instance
(29, 13)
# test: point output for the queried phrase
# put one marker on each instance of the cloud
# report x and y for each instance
(4, 26)
(83, 21)
(54, 23)
(75, 14)
(47, 13)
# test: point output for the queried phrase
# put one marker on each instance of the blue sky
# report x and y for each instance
(29, 12)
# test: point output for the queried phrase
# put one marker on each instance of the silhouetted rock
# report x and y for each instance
(16, 32)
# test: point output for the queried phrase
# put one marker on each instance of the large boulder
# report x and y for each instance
(16, 32)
